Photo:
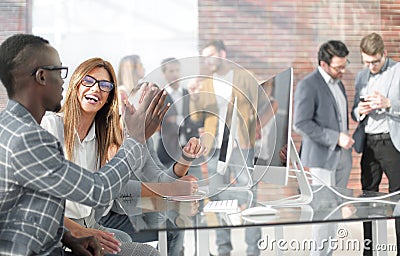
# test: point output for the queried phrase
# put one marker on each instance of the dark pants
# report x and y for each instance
(380, 156)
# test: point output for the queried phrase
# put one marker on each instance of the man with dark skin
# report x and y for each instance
(35, 178)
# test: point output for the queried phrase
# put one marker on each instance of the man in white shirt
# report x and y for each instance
(211, 100)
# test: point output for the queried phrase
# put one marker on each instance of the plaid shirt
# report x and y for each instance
(35, 180)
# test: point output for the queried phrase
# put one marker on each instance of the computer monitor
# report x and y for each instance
(225, 157)
(273, 171)
(276, 134)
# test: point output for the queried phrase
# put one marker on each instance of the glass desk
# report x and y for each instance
(326, 207)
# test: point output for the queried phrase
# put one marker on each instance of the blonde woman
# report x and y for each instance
(130, 71)
(87, 126)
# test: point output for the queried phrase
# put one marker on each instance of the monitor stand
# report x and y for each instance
(306, 195)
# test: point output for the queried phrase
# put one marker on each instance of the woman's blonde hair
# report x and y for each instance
(127, 75)
(108, 131)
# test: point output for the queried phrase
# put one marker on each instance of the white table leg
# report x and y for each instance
(379, 235)
(203, 242)
(278, 236)
(162, 243)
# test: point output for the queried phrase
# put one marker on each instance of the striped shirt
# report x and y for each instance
(35, 180)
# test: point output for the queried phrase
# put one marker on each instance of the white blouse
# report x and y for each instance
(84, 155)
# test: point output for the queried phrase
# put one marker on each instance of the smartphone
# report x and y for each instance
(363, 98)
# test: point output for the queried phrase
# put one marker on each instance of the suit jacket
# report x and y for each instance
(245, 88)
(169, 149)
(35, 180)
(316, 118)
(389, 87)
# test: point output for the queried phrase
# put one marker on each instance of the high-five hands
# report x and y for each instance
(142, 122)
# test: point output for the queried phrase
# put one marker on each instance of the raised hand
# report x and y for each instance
(142, 122)
(194, 148)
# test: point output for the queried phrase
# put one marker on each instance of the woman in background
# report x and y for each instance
(130, 71)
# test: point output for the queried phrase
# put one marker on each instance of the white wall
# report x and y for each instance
(111, 29)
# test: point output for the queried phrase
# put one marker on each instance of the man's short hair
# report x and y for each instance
(331, 49)
(16, 52)
(169, 60)
(372, 44)
(218, 44)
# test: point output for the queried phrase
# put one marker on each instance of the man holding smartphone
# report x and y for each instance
(376, 109)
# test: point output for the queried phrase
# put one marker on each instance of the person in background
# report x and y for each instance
(32, 160)
(211, 102)
(130, 73)
(376, 109)
(321, 118)
(177, 127)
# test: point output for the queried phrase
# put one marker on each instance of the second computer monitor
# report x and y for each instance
(277, 131)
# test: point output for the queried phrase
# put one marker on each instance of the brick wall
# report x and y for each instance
(268, 36)
(15, 17)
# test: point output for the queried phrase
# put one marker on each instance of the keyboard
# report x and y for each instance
(230, 206)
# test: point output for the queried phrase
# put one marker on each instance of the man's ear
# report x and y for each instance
(323, 64)
(40, 77)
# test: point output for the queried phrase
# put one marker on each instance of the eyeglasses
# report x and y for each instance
(63, 70)
(340, 68)
(374, 62)
(104, 85)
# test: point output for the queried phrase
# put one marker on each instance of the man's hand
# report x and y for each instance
(364, 108)
(194, 148)
(378, 101)
(106, 239)
(187, 185)
(85, 246)
(345, 140)
(283, 154)
(141, 123)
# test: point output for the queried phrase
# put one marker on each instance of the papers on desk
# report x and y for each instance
(189, 198)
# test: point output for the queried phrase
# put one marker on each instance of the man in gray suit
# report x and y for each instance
(376, 108)
(321, 117)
